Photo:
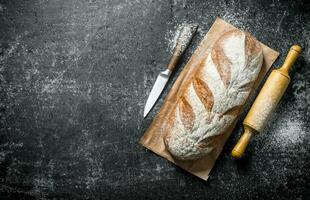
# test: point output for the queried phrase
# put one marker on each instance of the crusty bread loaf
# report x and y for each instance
(214, 96)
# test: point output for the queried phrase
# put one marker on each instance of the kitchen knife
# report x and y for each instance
(184, 38)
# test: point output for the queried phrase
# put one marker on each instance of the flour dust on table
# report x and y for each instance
(284, 133)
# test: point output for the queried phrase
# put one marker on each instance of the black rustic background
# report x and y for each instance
(74, 78)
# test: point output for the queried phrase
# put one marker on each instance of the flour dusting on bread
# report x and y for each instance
(214, 97)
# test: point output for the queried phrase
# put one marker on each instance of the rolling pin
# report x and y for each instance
(266, 101)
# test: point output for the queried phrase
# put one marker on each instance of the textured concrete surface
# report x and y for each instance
(74, 77)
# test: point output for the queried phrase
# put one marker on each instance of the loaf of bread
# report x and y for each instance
(214, 96)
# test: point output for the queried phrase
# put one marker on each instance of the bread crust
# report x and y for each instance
(214, 96)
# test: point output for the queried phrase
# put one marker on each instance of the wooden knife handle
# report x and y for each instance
(174, 58)
(183, 40)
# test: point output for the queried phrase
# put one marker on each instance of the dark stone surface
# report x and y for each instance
(75, 76)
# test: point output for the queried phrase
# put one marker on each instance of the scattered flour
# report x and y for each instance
(185, 36)
(181, 36)
(233, 18)
(292, 132)
(263, 114)
(286, 131)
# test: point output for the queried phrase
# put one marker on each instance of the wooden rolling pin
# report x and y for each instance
(266, 101)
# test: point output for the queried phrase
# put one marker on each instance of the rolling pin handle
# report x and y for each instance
(291, 57)
(243, 142)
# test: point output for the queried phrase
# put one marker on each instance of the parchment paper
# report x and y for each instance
(153, 137)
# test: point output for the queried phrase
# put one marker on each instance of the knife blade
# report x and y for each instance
(184, 38)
